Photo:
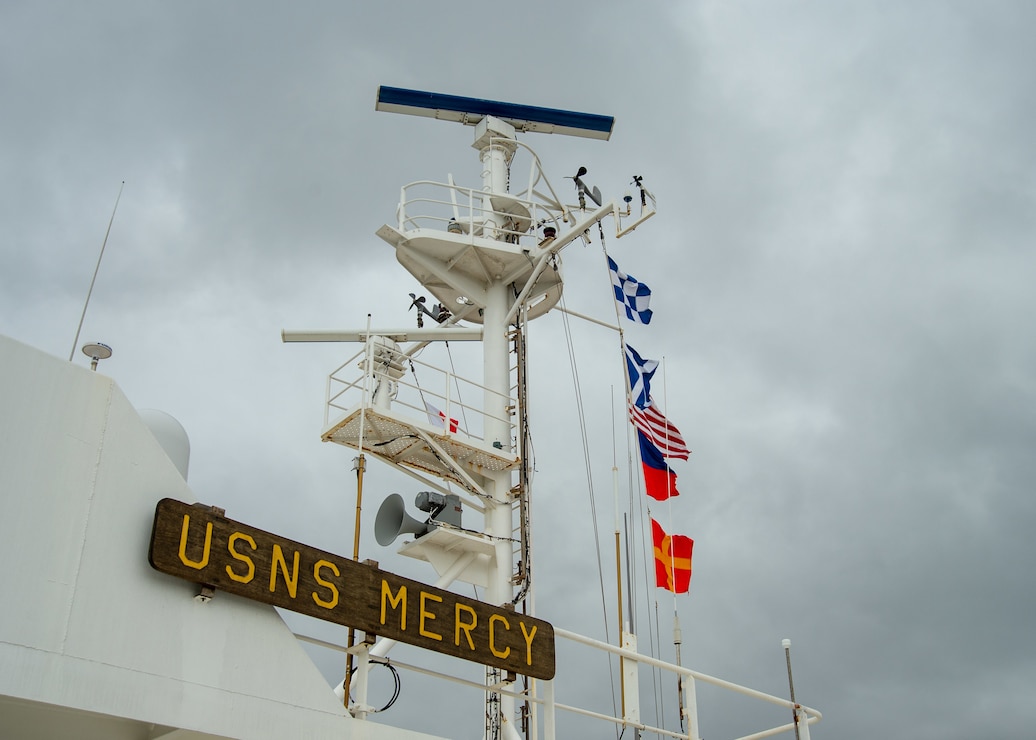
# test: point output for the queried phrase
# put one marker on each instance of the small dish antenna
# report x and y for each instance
(96, 352)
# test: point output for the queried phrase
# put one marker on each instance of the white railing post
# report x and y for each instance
(690, 706)
(630, 682)
(803, 723)
(534, 710)
(549, 728)
(360, 708)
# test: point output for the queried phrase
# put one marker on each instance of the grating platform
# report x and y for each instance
(404, 441)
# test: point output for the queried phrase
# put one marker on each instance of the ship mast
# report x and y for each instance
(490, 261)
(506, 287)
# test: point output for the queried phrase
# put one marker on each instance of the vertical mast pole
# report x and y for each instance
(499, 523)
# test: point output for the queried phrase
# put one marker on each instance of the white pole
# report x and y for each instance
(499, 524)
(362, 679)
(498, 515)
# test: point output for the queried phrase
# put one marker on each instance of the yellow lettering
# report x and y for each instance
(326, 584)
(464, 627)
(250, 573)
(198, 564)
(420, 626)
(492, 636)
(292, 581)
(394, 601)
(528, 641)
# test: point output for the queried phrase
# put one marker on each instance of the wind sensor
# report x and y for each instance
(471, 111)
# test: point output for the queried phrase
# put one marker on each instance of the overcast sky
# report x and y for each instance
(841, 265)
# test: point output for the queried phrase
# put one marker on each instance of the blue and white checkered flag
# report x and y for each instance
(630, 294)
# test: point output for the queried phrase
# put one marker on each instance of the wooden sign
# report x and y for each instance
(195, 543)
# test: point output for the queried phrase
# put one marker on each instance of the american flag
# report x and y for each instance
(662, 433)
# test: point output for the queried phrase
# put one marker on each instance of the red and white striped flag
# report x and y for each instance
(662, 433)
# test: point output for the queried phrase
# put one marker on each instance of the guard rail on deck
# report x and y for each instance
(544, 706)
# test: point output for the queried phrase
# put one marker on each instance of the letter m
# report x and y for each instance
(396, 602)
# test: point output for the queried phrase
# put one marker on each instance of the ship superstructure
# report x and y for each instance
(95, 643)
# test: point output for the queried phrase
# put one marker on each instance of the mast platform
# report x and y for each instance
(401, 440)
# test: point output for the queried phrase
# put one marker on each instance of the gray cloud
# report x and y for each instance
(841, 265)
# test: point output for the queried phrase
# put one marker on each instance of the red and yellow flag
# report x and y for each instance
(672, 559)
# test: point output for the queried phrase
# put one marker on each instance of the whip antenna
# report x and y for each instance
(94, 278)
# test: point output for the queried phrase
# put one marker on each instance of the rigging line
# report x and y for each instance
(420, 390)
(638, 505)
(456, 384)
(660, 697)
(590, 489)
(632, 444)
(672, 520)
(524, 477)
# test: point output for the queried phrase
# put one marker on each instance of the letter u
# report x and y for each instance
(196, 564)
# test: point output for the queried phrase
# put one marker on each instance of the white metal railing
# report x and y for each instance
(545, 700)
(447, 207)
(459, 401)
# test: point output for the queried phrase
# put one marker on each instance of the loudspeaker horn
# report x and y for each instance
(392, 521)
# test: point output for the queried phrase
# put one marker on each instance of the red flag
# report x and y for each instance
(659, 480)
(672, 559)
(662, 432)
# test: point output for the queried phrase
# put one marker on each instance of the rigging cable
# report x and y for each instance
(636, 504)
(456, 384)
(395, 679)
(589, 483)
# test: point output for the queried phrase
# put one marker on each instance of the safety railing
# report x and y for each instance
(381, 375)
(426, 204)
(544, 705)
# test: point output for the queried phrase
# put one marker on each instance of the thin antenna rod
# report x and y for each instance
(94, 278)
(786, 644)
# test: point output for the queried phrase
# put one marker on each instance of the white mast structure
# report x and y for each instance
(491, 263)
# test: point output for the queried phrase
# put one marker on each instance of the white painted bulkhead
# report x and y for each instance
(93, 642)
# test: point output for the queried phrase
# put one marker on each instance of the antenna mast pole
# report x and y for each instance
(94, 278)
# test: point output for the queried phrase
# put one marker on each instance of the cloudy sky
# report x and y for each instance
(841, 266)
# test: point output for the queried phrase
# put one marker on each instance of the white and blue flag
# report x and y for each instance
(640, 372)
(632, 295)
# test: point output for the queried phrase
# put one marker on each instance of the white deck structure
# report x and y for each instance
(93, 642)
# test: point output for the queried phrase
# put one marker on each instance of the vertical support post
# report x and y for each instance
(495, 151)
(534, 711)
(803, 724)
(498, 514)
(690, 706)
(630, 682)
(362, 673)
(360, 467)
(549, 726)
